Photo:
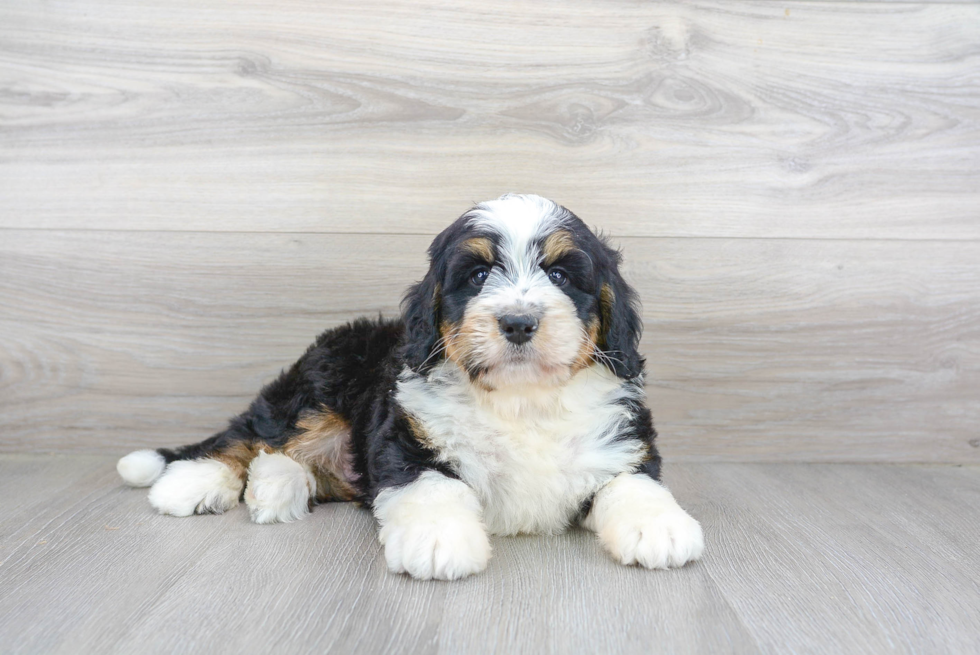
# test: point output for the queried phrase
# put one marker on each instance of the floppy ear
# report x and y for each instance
(421, 306)
(420, 313)
(620, 326)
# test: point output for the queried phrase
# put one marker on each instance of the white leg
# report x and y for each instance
(279, 489)
(432, 528)
(639, 522)
(199, 486)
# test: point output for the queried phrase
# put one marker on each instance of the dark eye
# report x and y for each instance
(557, 276)
(479, 276)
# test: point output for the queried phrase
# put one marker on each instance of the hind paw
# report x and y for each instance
(202, 486)
(279, 489)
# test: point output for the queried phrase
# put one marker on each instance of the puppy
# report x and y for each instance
(507, 399)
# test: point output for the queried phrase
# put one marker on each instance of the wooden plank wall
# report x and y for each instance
(190, 191)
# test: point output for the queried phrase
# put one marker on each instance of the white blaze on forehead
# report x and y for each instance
(520, 221)
(518, 285)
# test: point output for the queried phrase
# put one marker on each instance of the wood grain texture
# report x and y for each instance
(861, 542)
(794, 350)
(749, 119)
(800, 558)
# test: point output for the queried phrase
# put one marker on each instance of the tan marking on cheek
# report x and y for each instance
(323, 444)
(453, 346)
(557, 245)
(482, 247)
(587, 351)
(463, 340)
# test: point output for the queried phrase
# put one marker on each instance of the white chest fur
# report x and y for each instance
(532, 455)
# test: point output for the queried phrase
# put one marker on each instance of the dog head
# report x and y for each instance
(520, 291)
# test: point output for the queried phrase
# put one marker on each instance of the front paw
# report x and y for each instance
(432, 528)
(639, 522)
(441, 550)
(655, 541)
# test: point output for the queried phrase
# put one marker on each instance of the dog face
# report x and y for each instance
(519, 291)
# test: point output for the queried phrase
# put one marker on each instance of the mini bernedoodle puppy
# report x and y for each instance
(507, 399)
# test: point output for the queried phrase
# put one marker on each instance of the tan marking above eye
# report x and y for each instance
(482, 247)
(555, 246)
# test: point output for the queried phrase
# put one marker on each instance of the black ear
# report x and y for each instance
(620, 326)
(421, 307)
(420, 313)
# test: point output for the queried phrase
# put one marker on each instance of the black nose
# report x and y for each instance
(518, 328)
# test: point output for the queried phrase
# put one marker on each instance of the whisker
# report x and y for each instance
(600, 356)
(441, 346)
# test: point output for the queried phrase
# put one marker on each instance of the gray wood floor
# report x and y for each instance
(800, 558)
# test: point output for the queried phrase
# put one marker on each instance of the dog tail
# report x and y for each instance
(141, 468)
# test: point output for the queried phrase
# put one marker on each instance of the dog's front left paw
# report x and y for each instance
(440, 550)
(639, 522)
(432, 529)
(655, 541)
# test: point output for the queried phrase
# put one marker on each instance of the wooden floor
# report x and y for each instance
(800, 558)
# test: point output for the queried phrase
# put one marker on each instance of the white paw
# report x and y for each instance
(431, 529)
(279, 489)
(200, 486)
(639, 522)
(440, 550)
(657, 541)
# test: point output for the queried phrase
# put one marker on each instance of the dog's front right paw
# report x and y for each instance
(432, 529)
